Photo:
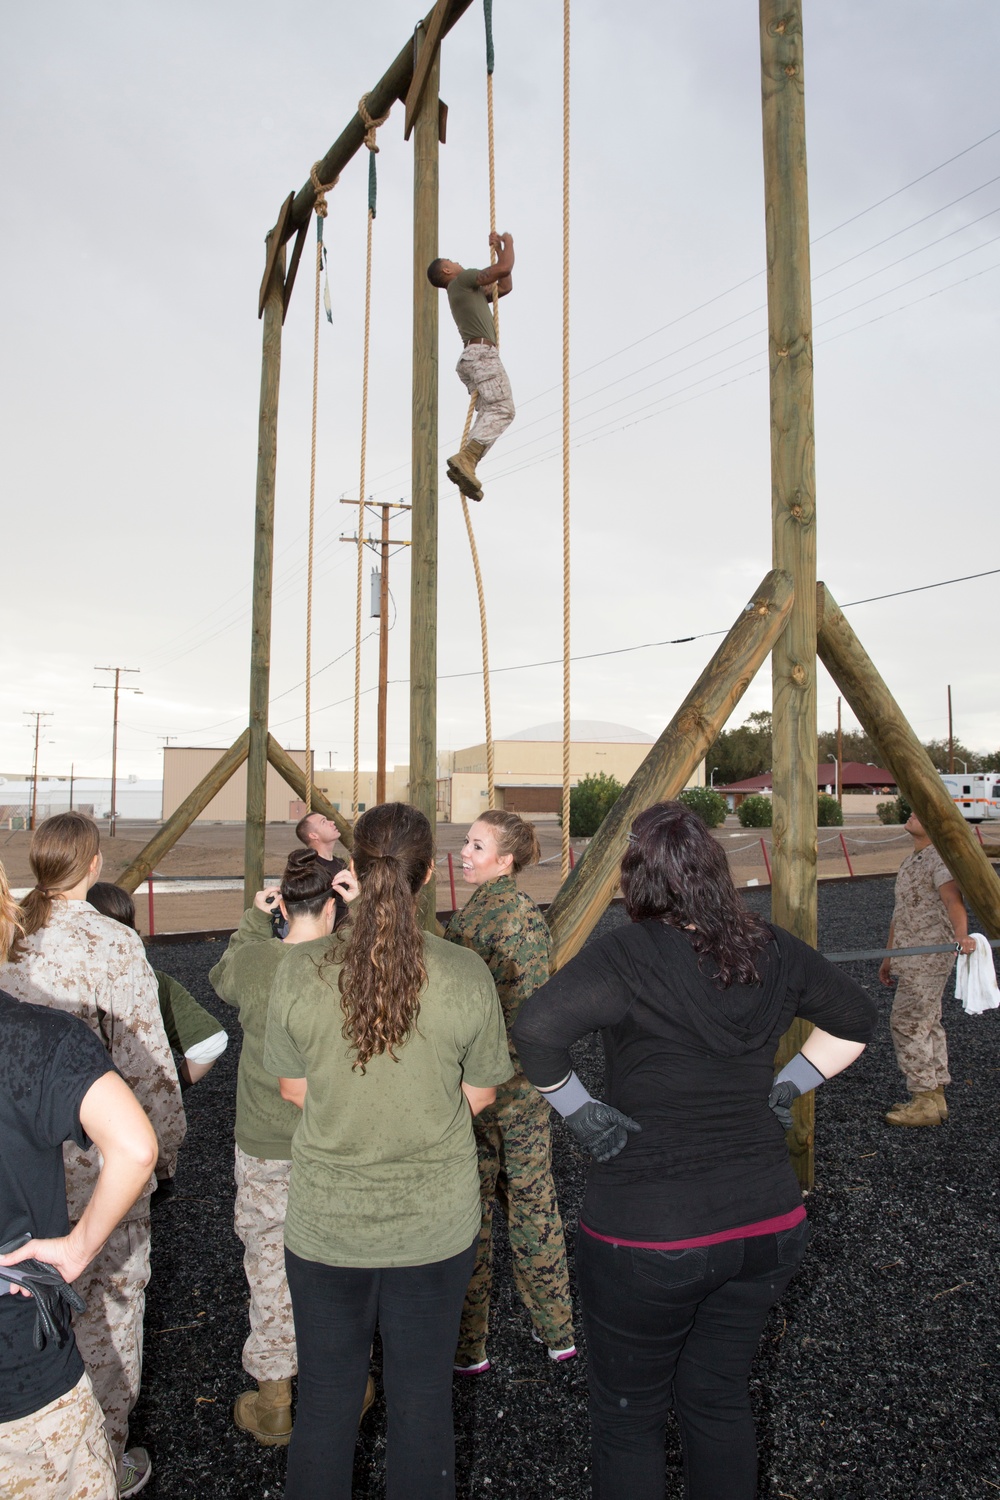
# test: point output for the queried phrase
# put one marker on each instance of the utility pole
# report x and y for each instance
(114, 739)
(840, 757)
(38, 716)
(951, 737)
(383, 545)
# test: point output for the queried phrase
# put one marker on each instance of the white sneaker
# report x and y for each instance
(557, 1354)
(479, 1368)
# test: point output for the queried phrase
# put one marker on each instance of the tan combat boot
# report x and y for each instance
(462, 469)
(266, 1413)
(942, 1102)
(922, 1109)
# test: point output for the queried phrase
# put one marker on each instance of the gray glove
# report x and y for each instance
(47, 1289)
(601, 1129)
(797, 1077)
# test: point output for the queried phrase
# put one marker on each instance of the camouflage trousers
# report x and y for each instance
(915, 1020)
(109, 1333)
(515, 1169)
(261, 1201)
(480, 370)
(60, 1452)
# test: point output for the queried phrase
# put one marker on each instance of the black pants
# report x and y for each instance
(678, 1328)
(336, 1309)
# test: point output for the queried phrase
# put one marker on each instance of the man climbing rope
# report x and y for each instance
(479, 368)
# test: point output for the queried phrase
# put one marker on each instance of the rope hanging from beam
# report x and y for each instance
(480, 591)
(371, 126)
(565, 448)
(321, 212)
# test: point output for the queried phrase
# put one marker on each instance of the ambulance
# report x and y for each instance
(976, 795)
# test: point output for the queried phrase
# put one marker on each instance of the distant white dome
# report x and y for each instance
(585, 730)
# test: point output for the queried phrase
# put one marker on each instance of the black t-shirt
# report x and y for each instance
(693, 1064)
(48, 1061)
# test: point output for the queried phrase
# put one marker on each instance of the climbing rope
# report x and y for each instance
(371, 126)
(565, 448)
(321, 211)
(480, 591)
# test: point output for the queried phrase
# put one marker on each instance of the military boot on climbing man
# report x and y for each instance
(462, 469)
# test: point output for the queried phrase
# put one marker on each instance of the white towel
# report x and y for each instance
(975, 978)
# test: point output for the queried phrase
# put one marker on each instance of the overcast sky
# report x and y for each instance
(147, 149)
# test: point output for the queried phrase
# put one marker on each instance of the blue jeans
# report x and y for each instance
(336, 1309)
(678, 1328)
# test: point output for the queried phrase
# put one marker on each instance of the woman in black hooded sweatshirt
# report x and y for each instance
(692, 1224)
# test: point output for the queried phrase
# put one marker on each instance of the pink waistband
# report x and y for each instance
(741, 1232)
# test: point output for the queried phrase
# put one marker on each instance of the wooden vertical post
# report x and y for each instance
(263, 559)
(424, 534)
(383, 656)
(793, 891)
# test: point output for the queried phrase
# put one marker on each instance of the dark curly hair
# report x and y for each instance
(383, 967)
(676, 872)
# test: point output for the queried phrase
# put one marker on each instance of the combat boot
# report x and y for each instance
(942, 1102)
(266, 1413)
(462, 469)
(922, 1109)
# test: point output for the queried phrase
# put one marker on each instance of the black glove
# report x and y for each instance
(47, 1289)
(780, 1100)
(601, 1129)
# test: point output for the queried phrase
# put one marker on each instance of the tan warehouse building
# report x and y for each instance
(527, 775)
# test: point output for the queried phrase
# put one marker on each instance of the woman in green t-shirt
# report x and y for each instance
(390, 1040)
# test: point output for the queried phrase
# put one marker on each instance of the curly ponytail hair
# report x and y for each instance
(62, 850)
(383, 968)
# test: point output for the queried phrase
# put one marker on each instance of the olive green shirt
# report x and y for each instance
(384, 1168)
(265, 1123)
(471, 307)
(185, 1021)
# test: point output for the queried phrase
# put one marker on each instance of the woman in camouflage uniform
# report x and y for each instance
(505, 927)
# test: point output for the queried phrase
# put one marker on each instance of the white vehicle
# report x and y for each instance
(976, 794)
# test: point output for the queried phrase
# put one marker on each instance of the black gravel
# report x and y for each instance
(877, 1374)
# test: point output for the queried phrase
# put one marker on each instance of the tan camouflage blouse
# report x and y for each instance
(89, 966)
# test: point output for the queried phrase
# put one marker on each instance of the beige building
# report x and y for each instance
(184, 767)
(527, 770)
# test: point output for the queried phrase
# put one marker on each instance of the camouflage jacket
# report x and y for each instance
(90, 966)
(505, 927)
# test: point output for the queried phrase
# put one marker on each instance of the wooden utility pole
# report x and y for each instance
(793, 491)
(424, 528)
(840, 757)
(263, 567)
(951, 737)
(114, 738)
(384, 543)
(38, 716)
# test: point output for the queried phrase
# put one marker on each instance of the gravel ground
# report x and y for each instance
(876, 1378)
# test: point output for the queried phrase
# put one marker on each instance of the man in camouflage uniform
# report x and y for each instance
(929, 909)
(513, 1139)
(87, 965)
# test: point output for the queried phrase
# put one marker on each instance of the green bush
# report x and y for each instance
(590, 803)
(755, 812)
(829, 813)
(896, 811)
(710, 806)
